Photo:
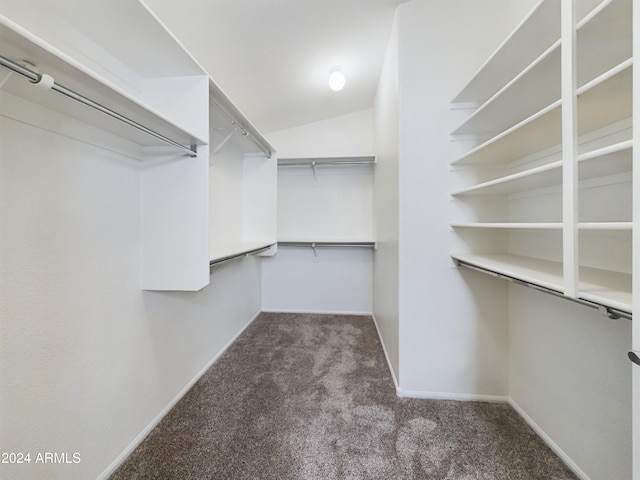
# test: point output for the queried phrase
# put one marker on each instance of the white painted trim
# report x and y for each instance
(319, 312)
(464, 397)
(547, 439)
(156, 420)
(386, 355)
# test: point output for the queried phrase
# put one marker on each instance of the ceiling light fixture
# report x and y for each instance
(336, 79)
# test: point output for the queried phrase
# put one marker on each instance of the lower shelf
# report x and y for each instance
(599, 287)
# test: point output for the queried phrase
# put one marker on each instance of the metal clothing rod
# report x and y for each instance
(328, 244)
(318, 162)
(36, 78)
(238, 127)
(612, 313)
(220, 261)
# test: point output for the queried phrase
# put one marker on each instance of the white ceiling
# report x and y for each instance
(272, 57)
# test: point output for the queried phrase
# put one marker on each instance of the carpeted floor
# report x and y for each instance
(310, 397)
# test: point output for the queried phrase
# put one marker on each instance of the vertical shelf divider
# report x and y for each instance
(570, 252)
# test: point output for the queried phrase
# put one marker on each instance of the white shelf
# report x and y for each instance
(536, 87)
(539, 177)
(610, 226)
(229, 126)
(545, 273)
(535, 34)
(538, 132)
(610, 160)
(605, 100)
(604, 39)
(612, 289)
(129, 101)
(519, 124)
(511, 225)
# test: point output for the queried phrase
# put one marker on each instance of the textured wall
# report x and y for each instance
(87, 359)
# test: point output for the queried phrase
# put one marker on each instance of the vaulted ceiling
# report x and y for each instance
(272, 57)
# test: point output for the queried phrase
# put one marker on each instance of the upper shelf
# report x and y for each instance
(81, 53)
(537, 86)
(535, 34)
(228, 124)
(602, 101)
(604, 39)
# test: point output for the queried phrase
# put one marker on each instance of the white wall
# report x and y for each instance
(453, 324)
(335, 206)
(462, 333)
(88, 360)
(386, 200)
(569, 373)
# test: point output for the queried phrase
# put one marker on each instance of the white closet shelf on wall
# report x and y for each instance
(242, 180)
(526, 219)
(130, 93)
(232, 126)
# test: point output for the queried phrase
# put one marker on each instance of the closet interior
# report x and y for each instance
(216, 222)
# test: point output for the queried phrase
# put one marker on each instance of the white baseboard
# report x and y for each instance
(465, 397)
(547, 439)
(386, 354)
(156, 420)
(319, 312)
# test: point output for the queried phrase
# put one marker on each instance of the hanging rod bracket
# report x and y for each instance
(608, 312)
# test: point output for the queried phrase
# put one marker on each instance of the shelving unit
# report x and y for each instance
(208, 178)
(243, 184)
(144, 80)
(114, 74)
(516, 192)
(331, 205)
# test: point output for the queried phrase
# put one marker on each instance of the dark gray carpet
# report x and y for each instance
(310, 397)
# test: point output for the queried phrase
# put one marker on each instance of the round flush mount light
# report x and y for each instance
(336, 79)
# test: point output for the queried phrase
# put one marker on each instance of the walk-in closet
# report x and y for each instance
(212, 265)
